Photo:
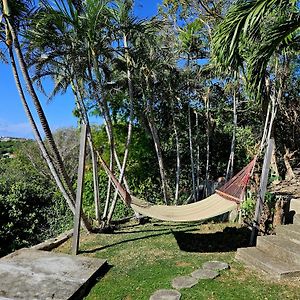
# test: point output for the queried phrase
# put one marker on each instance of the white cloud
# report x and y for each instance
(21, 129)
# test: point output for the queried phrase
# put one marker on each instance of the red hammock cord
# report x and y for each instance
(235, 188)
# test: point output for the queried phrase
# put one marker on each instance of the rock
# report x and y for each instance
(184, 282)
(166, 295)
(205, 274)
(215, 265)
(36, 274)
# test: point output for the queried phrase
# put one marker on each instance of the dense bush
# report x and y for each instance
(30, 208)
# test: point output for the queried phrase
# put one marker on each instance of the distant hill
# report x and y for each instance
(10, 139)
(8, 145)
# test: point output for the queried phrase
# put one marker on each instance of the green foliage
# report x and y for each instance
(8, 147)
(122, 211)
(248, 206)
(251, 33)
(30, 208)
(24, 207)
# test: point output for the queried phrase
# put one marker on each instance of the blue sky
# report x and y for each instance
(13, 121)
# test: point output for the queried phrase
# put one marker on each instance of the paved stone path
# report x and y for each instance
(209, 270)
(205, 274)
(165, 295)
(184, 282)
(215, 265)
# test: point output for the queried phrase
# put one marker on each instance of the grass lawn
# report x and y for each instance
(144, 258)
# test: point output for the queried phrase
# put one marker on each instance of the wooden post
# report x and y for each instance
(80, 179)
(262, 190)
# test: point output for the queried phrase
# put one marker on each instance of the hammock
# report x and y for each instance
(207, 208)
(225, 199)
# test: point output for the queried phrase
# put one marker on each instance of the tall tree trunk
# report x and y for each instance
(229, 171)
(84, 117)
(177, 154)
(129, 132)
(41, 145)
(197, 160)
(206, 100)
(38, 107)
(103, 106)
(191, 154)
(157, 146)
(109, 130)
(156, 140)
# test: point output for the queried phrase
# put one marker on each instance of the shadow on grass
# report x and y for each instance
(166, 227)
(159, 232)
(229, 240)
(85, 289)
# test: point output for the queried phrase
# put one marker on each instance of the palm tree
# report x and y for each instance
(251, 32)
(79, 54)
(12, 41)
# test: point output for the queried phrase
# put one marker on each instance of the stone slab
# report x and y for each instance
(260, 260)
(282, 248)
(290, 231)
(165, 295)
(215, 265)
(295, 205)
(184, 282)
(205, 274)
(35, 274)
(296, 219)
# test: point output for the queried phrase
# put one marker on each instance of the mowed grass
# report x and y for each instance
(144, 258)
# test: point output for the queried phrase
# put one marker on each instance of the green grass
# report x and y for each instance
(144, 258)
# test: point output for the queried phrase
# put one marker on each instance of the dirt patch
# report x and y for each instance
(182, 264)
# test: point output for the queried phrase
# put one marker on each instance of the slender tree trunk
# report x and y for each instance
(177, 155)
(191, 154)
(38, 107)
(206, 100)
(41, 145)
(120, 167)
(122, 173)
(116, 158)
(85, 120)
(129, 133)
(197, 160)
(229, 170)
(111, 165)
(109, 130)
(157, 145)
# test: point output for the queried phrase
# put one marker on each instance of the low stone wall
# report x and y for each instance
(53, 243)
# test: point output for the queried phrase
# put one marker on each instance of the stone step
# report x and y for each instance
(281, 248)
(296, 219)
(291, 231)
(295, 205)
(260, 260)
(296, 171)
